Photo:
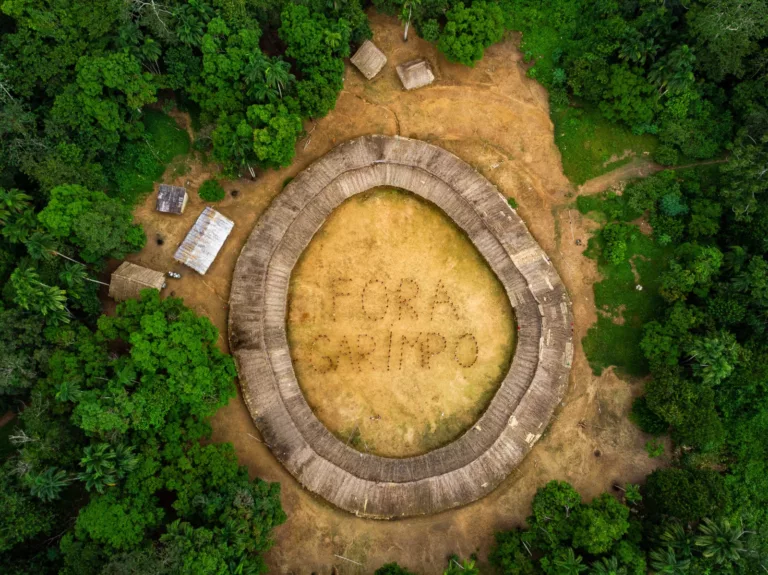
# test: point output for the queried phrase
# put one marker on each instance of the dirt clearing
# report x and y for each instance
(496, 119)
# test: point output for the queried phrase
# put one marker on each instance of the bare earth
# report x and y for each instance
(400, 332)
(496, 119)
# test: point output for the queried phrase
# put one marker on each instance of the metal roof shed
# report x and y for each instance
(204, 240)
(171, 199)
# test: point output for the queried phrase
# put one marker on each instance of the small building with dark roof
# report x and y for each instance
(129, 279)
(369, 59)
(204, 240)
(415, 74)
(171, 199)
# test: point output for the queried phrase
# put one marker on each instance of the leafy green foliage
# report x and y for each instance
(563, 530)
(600, 524)
(211, 191)
(470, 30)
(141, 163)
(646, 419)
(23, 517)
(392, 569)
(654, 448)
(132, 401)
(101, 227)
(685, 494)
(317, 43)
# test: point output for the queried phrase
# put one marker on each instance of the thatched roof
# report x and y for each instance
(129, 279)
(479, 460)
(204, 240)
(415, 74)
(171, 199)
(369, 59)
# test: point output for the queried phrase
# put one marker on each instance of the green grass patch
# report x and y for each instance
(141, 163)
(614, 340)
(605, 207)
(538, 46)
(587, 142)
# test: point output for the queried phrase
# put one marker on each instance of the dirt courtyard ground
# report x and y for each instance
(399, 330)
(496, 119)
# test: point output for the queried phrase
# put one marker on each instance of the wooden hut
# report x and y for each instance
(369, 59)
(204, 240)
(129, 279)
(415, 74)
(171, 199)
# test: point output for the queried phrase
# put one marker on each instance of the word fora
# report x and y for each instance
(395, 352)
(376, 299)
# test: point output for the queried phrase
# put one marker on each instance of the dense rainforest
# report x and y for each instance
(107, 470)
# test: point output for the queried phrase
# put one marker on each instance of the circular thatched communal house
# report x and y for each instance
(479, 460)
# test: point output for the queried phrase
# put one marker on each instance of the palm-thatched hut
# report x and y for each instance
(415, 74)
(129, 279)
(204, 240)
(171, 199)
(369, 59)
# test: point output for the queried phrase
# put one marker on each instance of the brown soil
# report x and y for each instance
(7, 417)
(400, 332)
(496, 119)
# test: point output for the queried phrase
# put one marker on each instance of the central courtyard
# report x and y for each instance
(400, 333)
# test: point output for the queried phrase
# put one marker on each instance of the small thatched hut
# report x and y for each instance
(204, 240)
(369, 59)
(129, 279)
(171, 199)
(415, 74)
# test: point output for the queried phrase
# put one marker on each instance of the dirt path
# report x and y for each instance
(496, 119)
(7, 417)
(637, 168)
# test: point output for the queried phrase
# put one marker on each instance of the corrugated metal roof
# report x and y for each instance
(204, 240)
(171, 199)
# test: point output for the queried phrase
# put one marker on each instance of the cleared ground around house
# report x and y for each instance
(496, 119)
(399, 330)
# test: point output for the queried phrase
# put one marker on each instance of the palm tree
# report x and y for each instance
(277, 74)
(31, 293)
(16, 230)
(12, 202)
(51, 304)
(125, 460)
(666, 562)
(73, 276)
(150, 51)
(607, 566)
(676, 537)
(40, 245)
(68, 391)
(721, 542)
(190, 31)
(570, 564)
(408, 4)
(48, 485)
(332, 39)
(99, 464)
(674, 72)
